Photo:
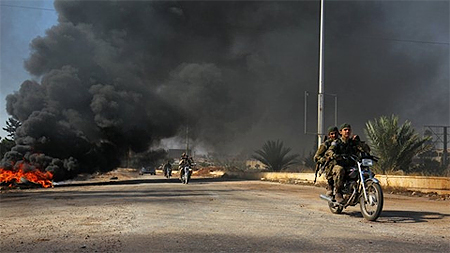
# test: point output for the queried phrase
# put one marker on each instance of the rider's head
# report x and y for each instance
(345, 130)
(333, 132)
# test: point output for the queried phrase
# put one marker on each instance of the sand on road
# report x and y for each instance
(153, 214)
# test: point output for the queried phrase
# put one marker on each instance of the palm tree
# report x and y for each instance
(275, 156)
(395, 145)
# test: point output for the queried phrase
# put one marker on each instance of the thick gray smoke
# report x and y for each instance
(120, 75)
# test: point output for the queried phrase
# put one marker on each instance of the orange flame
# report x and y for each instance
(36, 176)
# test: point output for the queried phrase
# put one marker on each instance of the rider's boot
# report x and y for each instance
(329, 191)
(338, 193)
(330, 188)
(338, 197)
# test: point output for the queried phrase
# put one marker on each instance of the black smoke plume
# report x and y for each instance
(119, 75)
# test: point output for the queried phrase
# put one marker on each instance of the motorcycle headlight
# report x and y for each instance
(367, 162)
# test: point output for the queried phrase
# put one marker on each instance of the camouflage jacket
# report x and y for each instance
(319, 157)
(341, 148)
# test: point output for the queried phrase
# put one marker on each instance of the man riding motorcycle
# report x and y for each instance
(339, 150)
(167, 169)
(185, 160)
(320, 159)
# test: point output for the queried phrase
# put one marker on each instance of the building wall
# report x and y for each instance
(176, 153)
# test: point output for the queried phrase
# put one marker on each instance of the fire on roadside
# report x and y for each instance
(16, 176)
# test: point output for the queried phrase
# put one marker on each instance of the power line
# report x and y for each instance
(27, 7)
(413, 41)
(398, 40)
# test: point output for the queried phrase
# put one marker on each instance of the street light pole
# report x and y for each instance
(306, 111)
(320, 100)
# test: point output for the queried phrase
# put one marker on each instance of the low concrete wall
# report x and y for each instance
(440, 185)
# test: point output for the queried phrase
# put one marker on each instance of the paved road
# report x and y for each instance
(153, 214)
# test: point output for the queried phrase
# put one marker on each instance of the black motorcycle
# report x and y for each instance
(186, 174)
(360, 187)
(167, 172)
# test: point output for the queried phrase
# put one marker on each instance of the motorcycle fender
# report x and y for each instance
(376, 181)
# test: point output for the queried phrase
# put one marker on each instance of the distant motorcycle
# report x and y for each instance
(186, 174)
(360, 187)
(167, 172)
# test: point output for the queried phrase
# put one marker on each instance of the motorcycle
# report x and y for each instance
(186, 174)
(167, 172)
(360, 187)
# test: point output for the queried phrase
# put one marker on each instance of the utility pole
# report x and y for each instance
(187, 139)
(128, 157)
(320, 100)
(440, 137)
(444, 161)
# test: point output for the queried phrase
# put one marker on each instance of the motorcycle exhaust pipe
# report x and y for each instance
(329, 199)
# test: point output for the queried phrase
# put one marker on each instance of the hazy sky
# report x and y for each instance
(381, 58)
(21, 21)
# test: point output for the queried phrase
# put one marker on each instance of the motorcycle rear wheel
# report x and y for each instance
(372, 211)
(335, 209)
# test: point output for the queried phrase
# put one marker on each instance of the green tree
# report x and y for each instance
(11, 127)
(395, 145)
(275, 156)
(5, 146)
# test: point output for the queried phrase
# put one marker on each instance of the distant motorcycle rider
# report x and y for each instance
(320, 159)
(336, 154)
(167, 169)
(185, 160)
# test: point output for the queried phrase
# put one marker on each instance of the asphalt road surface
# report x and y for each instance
(154, 214)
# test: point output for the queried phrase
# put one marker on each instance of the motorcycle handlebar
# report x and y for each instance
(357, 158)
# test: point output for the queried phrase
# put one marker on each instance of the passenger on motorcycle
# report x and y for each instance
(185, 160)
(339, 150)
(320, 159)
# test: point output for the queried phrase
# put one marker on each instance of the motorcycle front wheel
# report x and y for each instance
(183, 180)
(371, 208)
(186, 178)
